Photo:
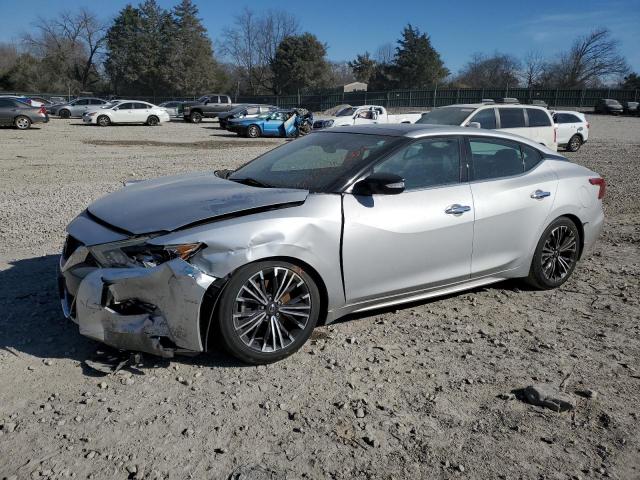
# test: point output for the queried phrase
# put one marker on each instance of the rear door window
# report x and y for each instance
(493, 158)
(486, 118)
(6, 103)
(511, 117)
(538, 118)
(140, 106)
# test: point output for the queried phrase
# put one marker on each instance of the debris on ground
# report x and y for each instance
(548, 396)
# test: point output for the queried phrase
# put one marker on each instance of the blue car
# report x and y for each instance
(280, 123)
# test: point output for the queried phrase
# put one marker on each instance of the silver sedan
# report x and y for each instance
(344, 220)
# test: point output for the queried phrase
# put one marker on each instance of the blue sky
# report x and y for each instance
(457, 28)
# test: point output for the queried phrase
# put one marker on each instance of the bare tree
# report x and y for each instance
(592, 60)
(496, 71)
(534, 67)
(385, 54)
(72, 41)
(8, 56)
(252, 41)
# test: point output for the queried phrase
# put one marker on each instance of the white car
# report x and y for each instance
(127, 111)
(573, 129)
(529, 121)
(365, 115)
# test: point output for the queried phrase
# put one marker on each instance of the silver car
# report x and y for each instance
(344, 220)
(76, 108)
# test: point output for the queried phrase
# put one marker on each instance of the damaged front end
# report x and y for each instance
(132, 295)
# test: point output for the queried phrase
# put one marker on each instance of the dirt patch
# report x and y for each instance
(206, 145)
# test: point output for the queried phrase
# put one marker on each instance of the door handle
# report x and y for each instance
(457, 209)
(540, 194)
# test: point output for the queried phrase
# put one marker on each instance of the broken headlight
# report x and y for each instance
(138, 253)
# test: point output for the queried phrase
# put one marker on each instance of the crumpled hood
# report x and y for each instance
(169, 203)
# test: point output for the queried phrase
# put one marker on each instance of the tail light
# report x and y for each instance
(42, 110)
(602, 184)
(588, 125)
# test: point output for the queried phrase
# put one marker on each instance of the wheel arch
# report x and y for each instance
(209, 305)
(578, 223)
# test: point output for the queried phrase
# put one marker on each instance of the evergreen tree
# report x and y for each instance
(417, 64)
(194, 67)
(300, 62)
(363, 67)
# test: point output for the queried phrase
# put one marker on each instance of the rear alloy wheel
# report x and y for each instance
(575, 143)
(22, 123)
(556, 255)
(153, 121)
(195, 117)
(253, 131)
(103, 121)
(267, 311)
(64, 113)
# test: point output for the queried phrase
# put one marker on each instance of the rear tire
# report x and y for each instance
(22, 123)
(64, 113)
(153, 121)
(195, 117)
(260, 331)
(556, 255)
(103, 121)
(575, 143)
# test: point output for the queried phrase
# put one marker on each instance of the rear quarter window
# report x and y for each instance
(530, 157)
(511, 117)
(538, 118)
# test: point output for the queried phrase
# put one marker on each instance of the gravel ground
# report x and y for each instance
(418, 392)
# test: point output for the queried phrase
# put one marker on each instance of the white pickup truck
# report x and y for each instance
(364, 115)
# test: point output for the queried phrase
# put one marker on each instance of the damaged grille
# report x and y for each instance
(71, 244)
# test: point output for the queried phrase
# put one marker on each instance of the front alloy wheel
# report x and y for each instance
(253, 131)
(267, 311)
(556, 255)
(104, 121)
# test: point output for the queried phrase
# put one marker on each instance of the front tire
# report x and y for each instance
(22, 123)
(103, 121)
(253, 131)
(267, 311)
(153, 121)
(575, 143)
(195, 117)
(556, 255)
(64, 113)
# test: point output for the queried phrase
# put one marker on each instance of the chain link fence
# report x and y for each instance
(406, 99)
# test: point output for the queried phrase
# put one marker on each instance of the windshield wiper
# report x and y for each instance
(250, 181)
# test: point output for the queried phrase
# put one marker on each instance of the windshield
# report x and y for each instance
(346, 112)
(446, 116)
(316, 162)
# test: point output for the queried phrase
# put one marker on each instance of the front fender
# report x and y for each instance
(309, 232)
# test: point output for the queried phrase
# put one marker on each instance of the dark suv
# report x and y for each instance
(207, 106)
(608, 105)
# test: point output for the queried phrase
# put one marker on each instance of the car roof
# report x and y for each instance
(410, 130)
(493, 105)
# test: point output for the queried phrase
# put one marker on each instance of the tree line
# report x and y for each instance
(150, 50)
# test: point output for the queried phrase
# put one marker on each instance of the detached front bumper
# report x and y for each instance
(154, 310)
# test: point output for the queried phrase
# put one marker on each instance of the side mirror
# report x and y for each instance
(115, 109)
(380, 183)
(474, 125)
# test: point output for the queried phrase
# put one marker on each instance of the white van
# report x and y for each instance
(529, 121)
